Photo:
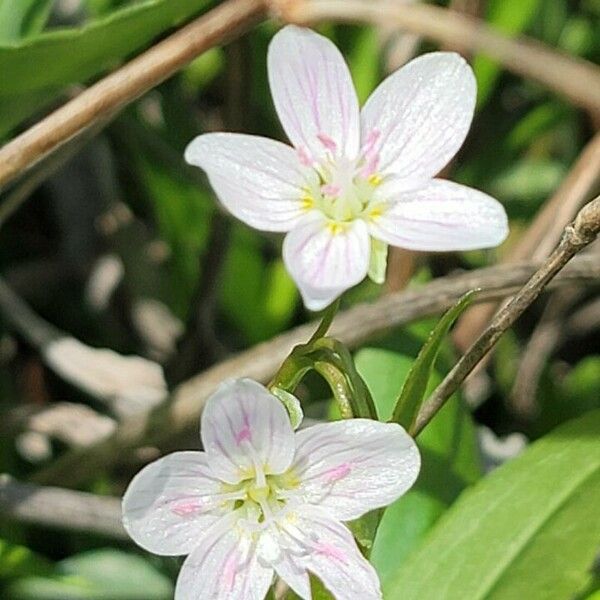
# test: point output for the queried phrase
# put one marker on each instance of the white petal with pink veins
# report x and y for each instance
(326, 548)
(418, 118)
(245, 429)
(257, 179)
(325, 258)
(313, 94)
(354, 466)
(170, 503)
(224, 566)
(442, 216)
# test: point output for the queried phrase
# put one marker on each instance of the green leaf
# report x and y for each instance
(364, 61)
(415, 386)
(450, 461)
(22, 18)
(528, 530)
(18, 561)
(97, 575)
(55, 59)
(509, 17)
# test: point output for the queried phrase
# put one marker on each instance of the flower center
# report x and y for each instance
(261, 497)
(343, 189)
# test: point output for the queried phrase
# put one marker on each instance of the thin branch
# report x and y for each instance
(542, 343)
(576, 79)
(544, 232)
(577, 235)
(60, 509)
(128, 83)
(352, 327)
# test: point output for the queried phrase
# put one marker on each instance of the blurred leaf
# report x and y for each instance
(55, 59)
(509, 17)
(450, 461)
(364, 61)
(258, 295)
(97, 575)
(578, 36)
(183, 214)
(415, 385)
(529, 180)
(537, 121)
(527, 530)
(18, 561)
(22, 18)
(202, 70)
(567, 397)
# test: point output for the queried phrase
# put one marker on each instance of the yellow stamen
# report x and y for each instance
(335, 227)
(374, 179)
(307, 202)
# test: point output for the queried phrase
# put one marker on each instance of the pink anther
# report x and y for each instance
(327, 142)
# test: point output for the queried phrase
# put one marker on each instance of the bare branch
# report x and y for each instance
(543, 234)
(61, 509)
(118, 89)
(575, 79)
(352, 327)
(577, 235)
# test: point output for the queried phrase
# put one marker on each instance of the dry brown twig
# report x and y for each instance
(128, 83)
(543, 234)
(352, 327)
(575, 79)
(62, 509)
(582, 232)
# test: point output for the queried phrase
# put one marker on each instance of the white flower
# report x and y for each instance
(263, 500)
(355, 180)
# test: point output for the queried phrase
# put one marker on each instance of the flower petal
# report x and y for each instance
(224, 566)
(351, 467)
(171, 502)
(257, 179)
(313, 94)
(295, 575)
(418, 118)
(325, 258)
(442, 216)
(244, 424)
(326, 548)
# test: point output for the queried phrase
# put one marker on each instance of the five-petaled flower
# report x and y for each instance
(263, 500)
(355, 180)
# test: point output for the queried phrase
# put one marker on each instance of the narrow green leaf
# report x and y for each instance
(450, 461)
(415, 386)
(21, 18)
(528, 530)
(54, 59)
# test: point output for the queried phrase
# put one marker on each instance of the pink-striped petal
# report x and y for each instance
(326, 258)
(257, 179)
(418, 118)
(224, 566)
(245, 428)
(354, 466)
(313, 94)
(172, 502)
(325, 547)
(442, 216)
